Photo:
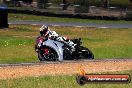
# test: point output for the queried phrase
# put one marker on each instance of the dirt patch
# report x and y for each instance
(8, 72)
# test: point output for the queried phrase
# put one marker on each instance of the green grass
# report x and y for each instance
(64, 81)
(17, 43)
(119, 3)
(24, 17)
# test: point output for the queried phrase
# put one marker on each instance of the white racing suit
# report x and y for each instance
(54, 35)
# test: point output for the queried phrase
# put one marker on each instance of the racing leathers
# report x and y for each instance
(54, 36)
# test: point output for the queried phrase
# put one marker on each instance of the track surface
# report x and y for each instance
(77, 24)
(9, 71)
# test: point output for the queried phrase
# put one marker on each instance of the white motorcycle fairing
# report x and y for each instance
(52, 50)
(57, 46)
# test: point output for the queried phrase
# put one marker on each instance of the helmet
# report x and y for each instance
(44, 30)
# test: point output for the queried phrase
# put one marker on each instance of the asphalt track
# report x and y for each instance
(77, 24)
(65, 62)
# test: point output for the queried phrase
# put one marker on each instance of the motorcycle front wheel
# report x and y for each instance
(47, 54)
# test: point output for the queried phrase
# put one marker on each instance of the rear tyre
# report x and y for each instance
(86, 53)
(47, 54)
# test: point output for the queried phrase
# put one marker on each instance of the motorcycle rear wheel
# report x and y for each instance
(86, 53)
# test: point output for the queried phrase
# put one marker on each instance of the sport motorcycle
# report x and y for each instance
(52, 50)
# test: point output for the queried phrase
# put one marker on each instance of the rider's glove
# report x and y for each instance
(40, 43)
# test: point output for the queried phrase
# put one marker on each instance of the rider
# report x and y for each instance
(46, 33)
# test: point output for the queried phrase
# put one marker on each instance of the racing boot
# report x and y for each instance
(72, 45)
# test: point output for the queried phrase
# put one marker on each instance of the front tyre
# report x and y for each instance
(47, 54)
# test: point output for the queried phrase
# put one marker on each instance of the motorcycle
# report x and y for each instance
(52, 50)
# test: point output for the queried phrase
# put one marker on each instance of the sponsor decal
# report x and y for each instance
(84, 78)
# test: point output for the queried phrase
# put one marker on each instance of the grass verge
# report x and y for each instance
(17, 43)
(24, 17)
(58, 82)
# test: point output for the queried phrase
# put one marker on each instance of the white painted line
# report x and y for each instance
(10, 23)
(34, 24)
(103, 27)
(55, 25)
(77, 26)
